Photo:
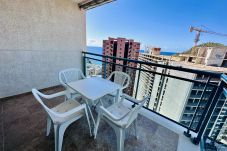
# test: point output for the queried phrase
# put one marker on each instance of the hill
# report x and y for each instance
(193, 50)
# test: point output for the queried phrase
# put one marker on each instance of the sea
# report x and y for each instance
(98, 50)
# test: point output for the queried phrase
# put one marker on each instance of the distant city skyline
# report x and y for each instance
(159, 23)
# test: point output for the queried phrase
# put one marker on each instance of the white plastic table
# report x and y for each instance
(94, 88)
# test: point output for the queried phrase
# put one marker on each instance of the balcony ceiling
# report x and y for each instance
(89, 4)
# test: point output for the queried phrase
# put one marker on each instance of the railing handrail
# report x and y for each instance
(149, 71)
(207, 73)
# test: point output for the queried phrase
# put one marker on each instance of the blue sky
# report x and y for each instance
(161, 23)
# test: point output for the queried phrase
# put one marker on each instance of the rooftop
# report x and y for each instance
(188, 64)
(200, 66)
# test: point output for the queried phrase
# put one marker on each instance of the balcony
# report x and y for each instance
(23, 127)
(24, 123)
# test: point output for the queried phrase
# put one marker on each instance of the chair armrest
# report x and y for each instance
(50, 96)
(70, 112)
(111, 116)
(125, 96)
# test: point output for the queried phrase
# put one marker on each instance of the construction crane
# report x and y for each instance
(199, 30)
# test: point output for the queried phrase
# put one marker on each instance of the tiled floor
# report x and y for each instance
(23, 123)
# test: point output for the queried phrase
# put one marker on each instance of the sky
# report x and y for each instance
(158, 23)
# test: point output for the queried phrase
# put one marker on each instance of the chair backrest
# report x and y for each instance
(120, 78)
(70, 75)
(134, 111)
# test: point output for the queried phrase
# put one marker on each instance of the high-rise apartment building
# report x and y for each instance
(121, 48)
(178, 99)
(146, 82)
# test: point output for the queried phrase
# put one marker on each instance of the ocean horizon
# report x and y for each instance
(98, 50)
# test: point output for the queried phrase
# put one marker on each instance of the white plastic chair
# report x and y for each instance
(61, 115)
(70, 75)
(120, 78)
(120, 117)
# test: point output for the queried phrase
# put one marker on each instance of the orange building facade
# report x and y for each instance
(121, 48)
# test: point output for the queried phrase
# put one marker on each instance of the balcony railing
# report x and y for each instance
(204, 102)
(218, 135)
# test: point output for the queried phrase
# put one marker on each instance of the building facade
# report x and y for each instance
(146, 80)
(178, 99)
(121, 48)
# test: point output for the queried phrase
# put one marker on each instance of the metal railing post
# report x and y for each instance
(84, 64)
(214, 101)
(105, 68)
(138, 79)
(187, 134)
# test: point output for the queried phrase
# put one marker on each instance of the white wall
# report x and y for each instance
(38, 38)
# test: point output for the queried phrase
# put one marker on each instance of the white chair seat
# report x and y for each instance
(119, 110)
(67, 106)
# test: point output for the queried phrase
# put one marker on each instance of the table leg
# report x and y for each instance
(89, 109)
(118, 95)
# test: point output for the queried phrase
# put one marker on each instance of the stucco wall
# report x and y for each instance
(38, 38)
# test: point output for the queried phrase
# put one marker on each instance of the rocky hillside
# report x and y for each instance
(193, 50)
